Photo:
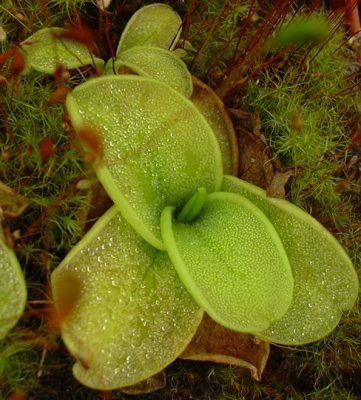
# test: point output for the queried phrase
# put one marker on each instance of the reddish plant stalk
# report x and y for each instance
(234, 76)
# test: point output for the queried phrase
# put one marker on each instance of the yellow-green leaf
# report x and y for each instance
(152, 25)
(45, 50)
(159, 64)
(131, 316)
(12, 289)
(325, 279)
(232, 262)
(158, 148)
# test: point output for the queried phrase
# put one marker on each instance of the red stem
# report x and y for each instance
(352, 16)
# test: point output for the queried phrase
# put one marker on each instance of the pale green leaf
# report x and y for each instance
(12, 289)
(158, 149)
(153, 25)
(325, 279)
(45, 50)
(232, 262)
(131, 316)
(159, 64)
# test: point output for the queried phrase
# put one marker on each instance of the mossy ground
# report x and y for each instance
(309, 104)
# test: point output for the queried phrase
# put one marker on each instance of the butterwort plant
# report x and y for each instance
(12, 288)
(183, 236)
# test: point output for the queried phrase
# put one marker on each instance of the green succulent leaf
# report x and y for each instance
(232, 262)
(193, 206)
(325, 279)
(45, 50)
(12, 290)
(159, 64)
(158, 149)
(156, 25)
(130, 316)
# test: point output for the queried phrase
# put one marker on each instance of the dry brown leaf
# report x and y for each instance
(213, 342)
(97, 203)
(11, 204)
(214, 110)
(255, 164)
(277, 186)
(155, 382)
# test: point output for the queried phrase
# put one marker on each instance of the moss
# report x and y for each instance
(308, 106)
(18, 366)
(307, 122)
(46, 176)
(46, 184)
(213, 35)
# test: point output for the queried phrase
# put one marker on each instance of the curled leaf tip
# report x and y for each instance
(193, 206)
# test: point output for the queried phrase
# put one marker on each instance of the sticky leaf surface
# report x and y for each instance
(12, 290)
(132, 316)
(325, 279)
(45, 50)
(158, 149)
(159, 64)
(232, 262)
(153, 25)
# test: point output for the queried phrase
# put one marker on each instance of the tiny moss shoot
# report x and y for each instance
(307, 122)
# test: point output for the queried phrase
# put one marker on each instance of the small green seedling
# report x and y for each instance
(182, 238)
